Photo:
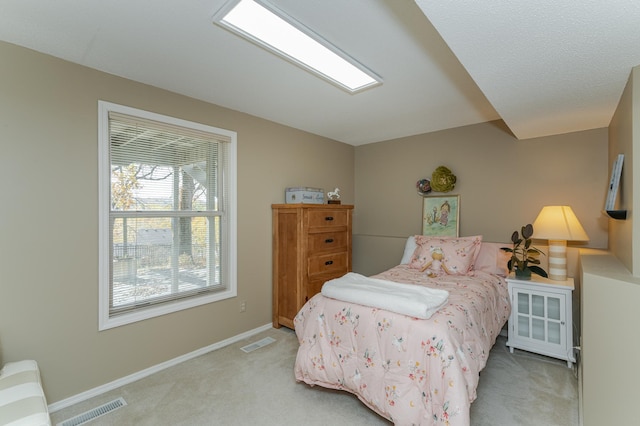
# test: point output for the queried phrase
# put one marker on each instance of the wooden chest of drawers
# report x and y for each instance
(311, 244)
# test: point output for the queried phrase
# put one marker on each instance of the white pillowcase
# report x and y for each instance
(409, 248)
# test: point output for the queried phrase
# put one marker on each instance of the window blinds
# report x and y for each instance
(166, 211)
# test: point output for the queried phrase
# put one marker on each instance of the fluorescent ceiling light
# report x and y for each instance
(272, 29)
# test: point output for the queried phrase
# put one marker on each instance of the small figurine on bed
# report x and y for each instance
(436, 266)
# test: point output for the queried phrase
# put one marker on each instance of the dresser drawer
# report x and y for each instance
(324, 241)
(314, 285)
(328, 218)
(328, 263)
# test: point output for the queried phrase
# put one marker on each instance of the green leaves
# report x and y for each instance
(515, 238)
(523, 255)
(538, 270)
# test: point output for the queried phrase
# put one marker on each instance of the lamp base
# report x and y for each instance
(558, 260)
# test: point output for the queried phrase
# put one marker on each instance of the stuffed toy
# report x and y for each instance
(436, 266)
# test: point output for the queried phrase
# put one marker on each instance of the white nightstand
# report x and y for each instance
(541, 319)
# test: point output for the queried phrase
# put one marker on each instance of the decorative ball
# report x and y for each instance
(442, 180)
(424, 186)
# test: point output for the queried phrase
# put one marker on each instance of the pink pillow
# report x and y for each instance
(459, 253)
(492, 259)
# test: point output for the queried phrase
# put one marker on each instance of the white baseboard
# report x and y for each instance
(56, 406)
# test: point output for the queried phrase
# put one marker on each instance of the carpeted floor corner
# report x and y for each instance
(525, 389)
(231, 387)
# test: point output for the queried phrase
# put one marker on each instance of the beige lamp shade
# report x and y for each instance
(558, 224)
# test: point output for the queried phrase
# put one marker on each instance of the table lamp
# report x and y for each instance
(558, 224)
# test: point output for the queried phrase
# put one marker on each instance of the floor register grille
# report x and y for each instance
(85, 417)
(257, 345)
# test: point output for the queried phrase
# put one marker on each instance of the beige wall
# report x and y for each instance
(611, 287)
(610, 319)
(624, 235)
(49, 221)
(48, 253)
(502, 182)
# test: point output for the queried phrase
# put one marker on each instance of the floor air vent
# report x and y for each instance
(83, 418)
(257, 345)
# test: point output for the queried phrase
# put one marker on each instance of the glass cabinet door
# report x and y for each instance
(523, 314)
(540, 316)
(554, 320)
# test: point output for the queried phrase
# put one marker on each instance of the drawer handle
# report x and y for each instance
(329, 262)
(328, 218)
(328, 240)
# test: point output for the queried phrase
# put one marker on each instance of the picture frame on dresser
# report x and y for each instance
(441, 216)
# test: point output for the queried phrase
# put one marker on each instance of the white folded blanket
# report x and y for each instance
(407, 299)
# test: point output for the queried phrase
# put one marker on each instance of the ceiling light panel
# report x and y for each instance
(270, 28)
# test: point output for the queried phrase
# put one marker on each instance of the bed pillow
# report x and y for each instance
(459, 253)
(492, 259)
(409, 248)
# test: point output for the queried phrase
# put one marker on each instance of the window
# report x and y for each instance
(167, 214)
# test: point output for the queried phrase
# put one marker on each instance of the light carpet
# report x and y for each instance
(231, 387)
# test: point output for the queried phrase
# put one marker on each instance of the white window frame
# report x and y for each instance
(228, 246)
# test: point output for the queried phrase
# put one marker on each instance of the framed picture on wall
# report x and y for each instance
(441, 216)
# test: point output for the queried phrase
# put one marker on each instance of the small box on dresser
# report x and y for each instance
(304, 195)
(311, 245)
(541, 319)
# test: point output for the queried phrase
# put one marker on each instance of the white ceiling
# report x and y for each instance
(547, 66)
(544, 67)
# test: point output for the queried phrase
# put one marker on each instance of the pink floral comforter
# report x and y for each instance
(410, 371)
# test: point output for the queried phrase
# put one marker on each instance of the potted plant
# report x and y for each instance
(524, 258)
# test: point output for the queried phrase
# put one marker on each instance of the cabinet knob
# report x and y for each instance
(328, 240)
(329, 262)
(328, 218)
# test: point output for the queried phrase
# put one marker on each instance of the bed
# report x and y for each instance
(408, 369)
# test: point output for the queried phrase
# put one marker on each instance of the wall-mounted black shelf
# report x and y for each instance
(617, 214)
